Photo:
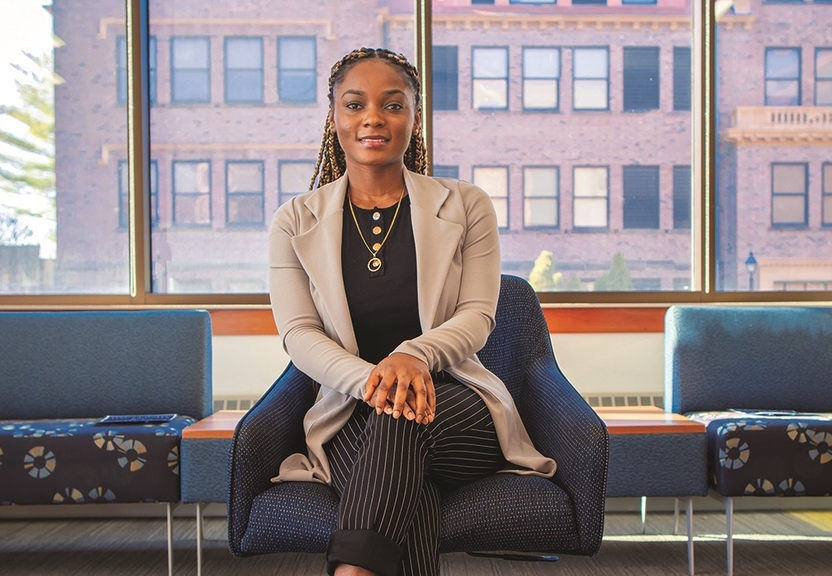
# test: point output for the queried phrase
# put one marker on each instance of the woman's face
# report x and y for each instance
(374, 114)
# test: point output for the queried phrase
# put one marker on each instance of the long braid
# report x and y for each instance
(331, 163)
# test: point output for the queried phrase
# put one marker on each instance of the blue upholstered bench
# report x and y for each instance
(60, 372)
(758, 377)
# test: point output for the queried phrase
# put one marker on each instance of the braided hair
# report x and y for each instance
(331, 163)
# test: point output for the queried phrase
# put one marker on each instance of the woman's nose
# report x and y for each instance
(372, 117)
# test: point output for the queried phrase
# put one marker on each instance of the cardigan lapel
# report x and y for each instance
(436, 239)
(319, 251)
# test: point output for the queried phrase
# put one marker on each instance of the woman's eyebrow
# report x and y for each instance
(356, 92)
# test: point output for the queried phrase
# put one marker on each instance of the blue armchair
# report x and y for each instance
(503, 512)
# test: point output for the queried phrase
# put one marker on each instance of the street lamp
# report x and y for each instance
(751, 266)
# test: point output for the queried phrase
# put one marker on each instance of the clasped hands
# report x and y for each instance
(401, 385)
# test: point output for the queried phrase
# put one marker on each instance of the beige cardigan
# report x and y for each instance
(458, 277)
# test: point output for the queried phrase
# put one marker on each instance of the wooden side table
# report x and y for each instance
(656, 453)
(204, 462)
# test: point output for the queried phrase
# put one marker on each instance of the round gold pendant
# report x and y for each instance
(374, 265)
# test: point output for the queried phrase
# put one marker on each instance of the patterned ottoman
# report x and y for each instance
(73, 461)
(762, 453)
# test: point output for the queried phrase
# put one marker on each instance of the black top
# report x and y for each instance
(383, 305)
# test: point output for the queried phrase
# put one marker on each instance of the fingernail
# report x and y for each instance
(396, 413)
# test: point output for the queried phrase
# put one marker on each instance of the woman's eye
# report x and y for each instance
(395, 106)
(353, 105)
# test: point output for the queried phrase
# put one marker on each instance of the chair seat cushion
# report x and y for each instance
(499, 512)
(766, 453)
(76, 461)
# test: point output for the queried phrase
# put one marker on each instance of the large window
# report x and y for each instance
(244, 192)
(191, 192)
(489, 78)
(494, 180)
(445, 77)
(641, 79)
(297, 70)
(823, 77)
(782, 76)
(591, 196)
(590, 78)
(190, 63)
(244, 70)
(540, 196)
(641, 197)
(788, 194)
(541, 78)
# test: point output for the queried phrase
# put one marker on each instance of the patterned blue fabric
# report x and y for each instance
(80, 461)
(753, 453)
(502, 512)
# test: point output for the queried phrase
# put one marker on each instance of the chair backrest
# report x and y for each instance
(520, 336)
(772, 358)
(89, 364)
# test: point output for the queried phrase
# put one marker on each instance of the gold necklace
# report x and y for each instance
(374, 264)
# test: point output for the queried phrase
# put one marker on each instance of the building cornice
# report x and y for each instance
(120, 150)
(781, 125)
(327, 25)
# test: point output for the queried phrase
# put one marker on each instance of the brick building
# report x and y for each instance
(574, 116)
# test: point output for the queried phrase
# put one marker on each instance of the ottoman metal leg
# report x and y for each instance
(729, 533)
(689, 522)
(170, 508)
(199, 518)
(644, 514)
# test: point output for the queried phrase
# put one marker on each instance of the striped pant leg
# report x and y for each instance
(388, 474)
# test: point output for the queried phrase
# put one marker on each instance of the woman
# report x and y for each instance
(384, 285)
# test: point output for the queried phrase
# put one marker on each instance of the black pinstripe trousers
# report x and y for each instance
(389, 474)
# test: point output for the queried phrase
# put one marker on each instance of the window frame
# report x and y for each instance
(575, 197)
(507, 197)
(505, 78)
(123, 196)
(825, 193)
(824, 79)
(298, 101)
(798, 79)
(121, 83)
(174, 194)
(804, 195)
(455, 84)
(629, 82)
(262, 194)
(207, 71)
(556, 198)
(284, 196)
(655, 195)
(556, 79)
(576, 78)
(226, 69)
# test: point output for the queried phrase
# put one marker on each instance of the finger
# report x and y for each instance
(383, 388)
(401, 395)
(420, 389)
(371, 384)
(410, 405)
(430, 397)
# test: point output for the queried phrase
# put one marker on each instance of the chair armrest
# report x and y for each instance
(267, 434)
(564, 427)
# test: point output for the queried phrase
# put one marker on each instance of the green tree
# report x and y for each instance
(543, 277)
(27, 141)
(617, 279)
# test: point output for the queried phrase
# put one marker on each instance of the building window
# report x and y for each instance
(494, 180)
(532, 2)
(636, 2)
(641, 79)
(244, 192)
(827, 193)
(641, 197)
(490, 78)
(682, 197)
(297, 69)
(541, 77)
(482, 1)
(823, 77)
(782, 76)
(445, 77)
(244, 69)
(121, 69)
(191, 192)
(440, 171)
(589, 2)
(591, 195)
(124, 190)
(293, 177)
(788, 194)
(590, 72)
(681, 78)
(540, 196)
(190, 69)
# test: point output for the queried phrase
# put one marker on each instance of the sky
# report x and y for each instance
(24, 26)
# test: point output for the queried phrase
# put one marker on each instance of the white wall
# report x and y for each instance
(245, 366)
